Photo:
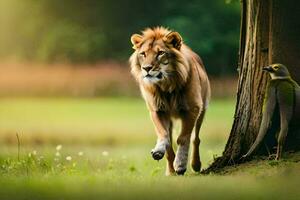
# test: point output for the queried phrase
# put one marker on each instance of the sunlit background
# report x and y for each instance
(72, 122)
(65, 79)
(78, 50)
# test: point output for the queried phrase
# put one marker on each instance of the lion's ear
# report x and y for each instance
(174, 39)
(136, 40)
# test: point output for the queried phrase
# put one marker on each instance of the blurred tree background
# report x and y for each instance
(86, 32)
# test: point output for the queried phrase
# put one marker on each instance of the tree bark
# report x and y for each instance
(270, 33)
(285, 35)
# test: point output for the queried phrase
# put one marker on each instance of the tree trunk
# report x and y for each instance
(285, 35)
(270, 33)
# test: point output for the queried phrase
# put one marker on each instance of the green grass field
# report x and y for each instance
(100, 149)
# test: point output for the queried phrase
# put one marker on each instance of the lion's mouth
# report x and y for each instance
(159, 76)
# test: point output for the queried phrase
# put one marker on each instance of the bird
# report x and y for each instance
(284, 92)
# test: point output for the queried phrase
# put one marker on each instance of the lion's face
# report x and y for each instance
(153, 61)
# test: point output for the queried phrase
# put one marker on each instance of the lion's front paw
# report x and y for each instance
(180, 170)
(157, 155)
(181, 159)
(159, 150)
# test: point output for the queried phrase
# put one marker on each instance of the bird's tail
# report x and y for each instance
(258, 140)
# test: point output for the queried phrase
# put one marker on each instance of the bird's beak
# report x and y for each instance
(268, 69)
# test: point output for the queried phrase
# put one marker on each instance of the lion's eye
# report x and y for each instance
(276, 67)
(160, 53)
(143, 54)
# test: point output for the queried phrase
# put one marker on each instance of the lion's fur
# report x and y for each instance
(188, 86)
(174, 83)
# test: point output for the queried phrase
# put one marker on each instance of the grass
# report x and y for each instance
(115, 123)
(100, 120)
(104, 154)
(74, 120)
(113, 175)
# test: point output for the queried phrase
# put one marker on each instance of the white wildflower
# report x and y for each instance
(80, 153)
(104, 153)
(58, 147)
(68, 158)
(34, 152)
(57, 154)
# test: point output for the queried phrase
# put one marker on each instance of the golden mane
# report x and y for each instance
(179, 62)
(155, 33)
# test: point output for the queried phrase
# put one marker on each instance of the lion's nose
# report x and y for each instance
(147, 68)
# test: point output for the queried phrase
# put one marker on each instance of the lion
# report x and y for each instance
(174, 85)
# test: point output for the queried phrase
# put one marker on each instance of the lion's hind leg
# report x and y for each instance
(170, 154)
(195, 161)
